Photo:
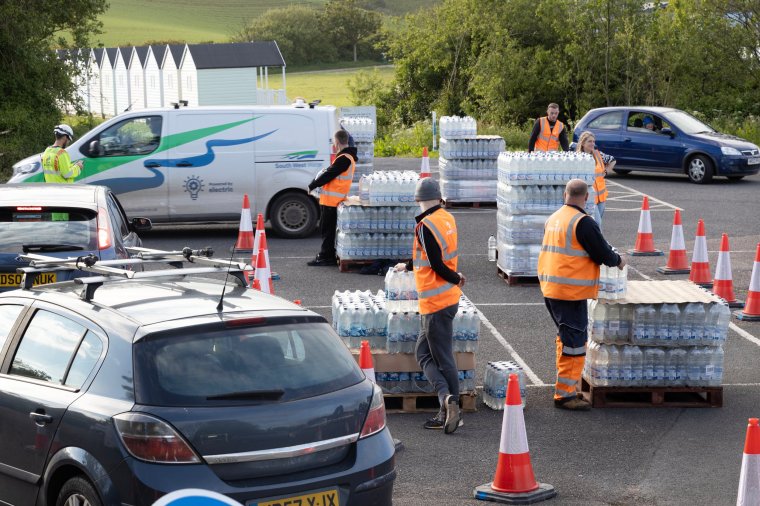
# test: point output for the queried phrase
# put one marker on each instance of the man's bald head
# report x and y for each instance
(576, 192)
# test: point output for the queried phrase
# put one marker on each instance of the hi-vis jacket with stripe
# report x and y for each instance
(600, 185)
(336, 191)
(548, 138)
(565, 269)
(57, 166)
(434, 292)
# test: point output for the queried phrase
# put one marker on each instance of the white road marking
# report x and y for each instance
(654, 203)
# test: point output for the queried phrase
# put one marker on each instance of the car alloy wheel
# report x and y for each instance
(700, 169)
(77, 500)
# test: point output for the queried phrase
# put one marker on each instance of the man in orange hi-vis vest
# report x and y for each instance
(549, 134)
(335, 181)
(568, 270)
(434, 260)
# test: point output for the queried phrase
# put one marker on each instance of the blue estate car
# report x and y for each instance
(61, 220)
(662, 139)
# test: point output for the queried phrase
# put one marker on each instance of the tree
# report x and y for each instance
(34, 83)
(347, 24)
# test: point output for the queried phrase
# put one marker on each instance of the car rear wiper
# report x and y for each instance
(255, 395)
(50, 247)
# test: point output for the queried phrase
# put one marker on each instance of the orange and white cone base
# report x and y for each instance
(751, 311)
(262, 273)
(723, 284)
(257, 237)
(644, 238)
(245, 231)
(749, 480)
(700, 265)
(514, 482)
(425, 165)
(677, 261)
(365, 361)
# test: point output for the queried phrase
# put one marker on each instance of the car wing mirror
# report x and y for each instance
(95, 148)
(668, 132)
(141, 225)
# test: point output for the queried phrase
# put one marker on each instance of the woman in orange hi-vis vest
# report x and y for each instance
(603, 164)
(434, 261)
(549, 134)
(335, 181)
(568, 270)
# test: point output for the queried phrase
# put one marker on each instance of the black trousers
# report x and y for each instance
(328, 222)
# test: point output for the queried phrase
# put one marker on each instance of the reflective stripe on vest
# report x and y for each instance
(600, 185)
(336, 190)
(434, 292)
(574, 352)
(548, 138)
(565, 270)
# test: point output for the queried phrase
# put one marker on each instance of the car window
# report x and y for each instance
(117, 218)
(134, 136)
(8, 315)
(688, 123)
(85, 359)
(47, 347)
(646, 122)
(47, 226)
(300, 360)
(608, 121)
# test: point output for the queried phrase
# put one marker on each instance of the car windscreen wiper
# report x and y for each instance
(50, 247)
(254, 395)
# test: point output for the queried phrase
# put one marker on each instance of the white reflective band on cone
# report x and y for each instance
(645, 223)
(723, 269)
(514, 440)
(245, 221)
(676, 240)
(749, 482)
(700, 250)
(754, 282)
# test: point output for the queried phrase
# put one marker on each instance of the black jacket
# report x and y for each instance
(591, 239)
(340, 165)
(537, 130)
(433, 251)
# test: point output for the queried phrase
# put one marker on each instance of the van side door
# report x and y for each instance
(211, 165)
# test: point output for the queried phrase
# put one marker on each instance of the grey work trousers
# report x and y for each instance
(435, 351)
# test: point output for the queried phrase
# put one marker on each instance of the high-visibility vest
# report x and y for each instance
(336, 191)
(434, 292)
(57, 166)
(565, 270)
(600, 185)
(548, 138)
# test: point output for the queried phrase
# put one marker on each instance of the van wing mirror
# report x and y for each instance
(95, 149)
(141, 225)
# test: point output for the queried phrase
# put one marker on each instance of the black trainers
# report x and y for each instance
(435, 423)
(453, 417)
(320, 262)
(572, 404)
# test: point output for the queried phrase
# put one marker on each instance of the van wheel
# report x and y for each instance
(700, 169)
(78, 492)
(293, 215)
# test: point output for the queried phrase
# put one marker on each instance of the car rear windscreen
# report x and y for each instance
(244, 365)
(41, 229)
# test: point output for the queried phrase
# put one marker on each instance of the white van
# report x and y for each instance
(193, 164)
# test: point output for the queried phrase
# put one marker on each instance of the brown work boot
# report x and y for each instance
(573, 404)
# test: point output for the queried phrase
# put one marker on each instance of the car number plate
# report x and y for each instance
(13, 279)
(323, 498)
(753, 161)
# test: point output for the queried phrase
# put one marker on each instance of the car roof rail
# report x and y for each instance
(109, 271)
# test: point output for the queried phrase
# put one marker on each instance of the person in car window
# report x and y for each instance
(649, 124)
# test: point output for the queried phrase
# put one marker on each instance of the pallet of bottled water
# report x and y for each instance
(653, 366)
(543, 199)
(373, 246)
(518, 259)
(457, 127)
(478, 146)
(519, 228)
(463, 190)
(613, 282)
(473, 170)
(360, 315)
(389, 219)
(417, 382)
(400, 291)
(361, 129)
(365, 153)
(557, 168)
(495, 383)
(388, 188)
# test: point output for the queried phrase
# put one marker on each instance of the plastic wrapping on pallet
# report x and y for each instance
(368, 246)
(495, 383)
(474, 170)
(456, 127)
(416, 382)
(478, 146)
(388, 188)
(519, 228)
(468, 191)
(518, 259)
(389, 219)
(521, 168)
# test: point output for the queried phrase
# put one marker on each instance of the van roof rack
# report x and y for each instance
(114, 270)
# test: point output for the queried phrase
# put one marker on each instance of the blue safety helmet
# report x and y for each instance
(648, 121)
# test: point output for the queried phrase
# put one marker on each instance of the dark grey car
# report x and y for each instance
(147, 388)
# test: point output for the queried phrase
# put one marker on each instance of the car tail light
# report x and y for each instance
(104, 230)
(375, 421)
(153, 440)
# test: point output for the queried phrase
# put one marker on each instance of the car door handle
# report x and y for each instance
(151, 165)
(626, 139)
(184, 164)
(40, 418)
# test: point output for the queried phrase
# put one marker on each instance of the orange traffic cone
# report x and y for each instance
(425, 166)
(333, 153)
(700, 265)
(677, 262)
(752, 306)
(644, 238)
(262, 273)
(256, 285)
(723, 284)
(749, 481)
(257, 237)
(365, 361)
(514, 482)
(245, 233)
(263, 247)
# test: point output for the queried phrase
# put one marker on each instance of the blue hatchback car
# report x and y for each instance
(662, 139)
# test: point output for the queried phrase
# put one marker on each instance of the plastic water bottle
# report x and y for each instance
(648, 370)
(626, 366)
(715, 366)
(669, 324)
(722, 319)
(695, 360)
(637, 364)
(492, 249)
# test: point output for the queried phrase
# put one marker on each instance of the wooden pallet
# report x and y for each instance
(653, 397)
(513, 279)
(352, 265)
(449, 204)
(425, 403)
